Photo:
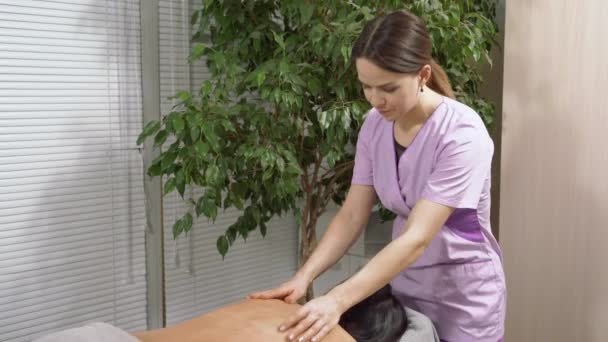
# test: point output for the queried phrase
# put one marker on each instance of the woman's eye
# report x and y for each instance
(390, 90)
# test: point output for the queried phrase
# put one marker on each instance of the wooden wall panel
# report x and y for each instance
(554, 170)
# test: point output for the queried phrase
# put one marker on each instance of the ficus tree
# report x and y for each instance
(271, 132)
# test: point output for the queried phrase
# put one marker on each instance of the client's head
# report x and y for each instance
(378, 318)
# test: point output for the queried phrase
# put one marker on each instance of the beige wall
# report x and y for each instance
(554, 170)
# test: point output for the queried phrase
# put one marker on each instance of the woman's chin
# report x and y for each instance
(387, 115)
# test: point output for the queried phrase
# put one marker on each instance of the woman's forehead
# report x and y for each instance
(373, 75)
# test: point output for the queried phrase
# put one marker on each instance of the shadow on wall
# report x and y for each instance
(492, 90)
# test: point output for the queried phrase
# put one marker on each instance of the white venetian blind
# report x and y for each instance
(197, 280)
(71, 188)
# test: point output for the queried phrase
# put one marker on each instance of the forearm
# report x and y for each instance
(380, 270)
(341, 234)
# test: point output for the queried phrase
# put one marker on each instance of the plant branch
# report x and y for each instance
(338, 173)
(338, 167)
(315, 178)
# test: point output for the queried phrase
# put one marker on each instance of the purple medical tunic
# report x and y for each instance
(459, 281)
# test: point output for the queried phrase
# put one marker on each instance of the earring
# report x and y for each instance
(422, 89)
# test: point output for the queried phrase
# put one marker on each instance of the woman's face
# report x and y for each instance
(393, 94)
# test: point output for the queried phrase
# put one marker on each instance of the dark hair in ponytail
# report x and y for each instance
(400, 42)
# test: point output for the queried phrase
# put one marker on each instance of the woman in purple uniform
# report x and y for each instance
(427, 158)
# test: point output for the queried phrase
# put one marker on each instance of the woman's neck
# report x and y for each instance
(428, 102)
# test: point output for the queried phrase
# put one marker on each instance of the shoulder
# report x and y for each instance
(460, 124)
(459, 115)
(372, 120)
(371, 124)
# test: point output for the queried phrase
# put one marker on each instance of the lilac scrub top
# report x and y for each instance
(459, 281)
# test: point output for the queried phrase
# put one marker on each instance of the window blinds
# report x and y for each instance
(71, 187)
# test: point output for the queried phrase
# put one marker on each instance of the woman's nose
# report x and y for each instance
(375, 99)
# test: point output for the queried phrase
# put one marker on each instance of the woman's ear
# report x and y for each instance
(425, 74)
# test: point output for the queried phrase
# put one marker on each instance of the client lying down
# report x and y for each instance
(379, 318)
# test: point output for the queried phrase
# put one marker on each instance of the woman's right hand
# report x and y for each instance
(290, 291)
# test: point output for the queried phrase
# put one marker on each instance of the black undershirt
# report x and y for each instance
(399, 149)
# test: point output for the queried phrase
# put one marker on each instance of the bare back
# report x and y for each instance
(250, 320)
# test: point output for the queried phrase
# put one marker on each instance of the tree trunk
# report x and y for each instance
(308, 245)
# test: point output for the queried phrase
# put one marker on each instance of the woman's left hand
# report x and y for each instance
(314, 320)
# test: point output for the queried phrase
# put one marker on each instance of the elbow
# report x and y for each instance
(354, 218)
(418, 243)
(419, 247)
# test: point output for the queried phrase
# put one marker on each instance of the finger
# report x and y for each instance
(294, 319)
(292, 298)
(322, 333)
(274, 293)
(302, 327)
(313, 331)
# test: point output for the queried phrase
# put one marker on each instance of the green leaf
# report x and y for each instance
(168, 160)
(306, 11)
(283, 67)
(169, 186)
(206, 205)
(222, 245)
(197, 52)
(160, 138)
(150, 128)
(229, 126)
(187, 222)
(212, 174)
(183, 95)
(279, 39)
(331, 159)
(345, 51)
(195, 133)
(260, 77)
(180, 183)
(476, 55)
(243, 230)
(346, 119)
(231, 234)
(238, 202)
(263, 229)
(281, 164)
(155, 170)
(178, 228)
(239, 189)
(178, 124)
(194, 17)
(219, 59)
(200, 206)
(324, 119)
(256, 214)
(206, 88)
(267, 174)
(211, 137)
(201, 148)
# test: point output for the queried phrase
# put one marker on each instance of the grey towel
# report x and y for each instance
(419, 329)
(94, 332)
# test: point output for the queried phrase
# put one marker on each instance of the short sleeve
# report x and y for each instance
(461, 170)
(363, 169)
